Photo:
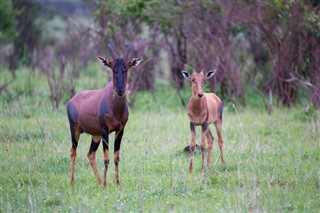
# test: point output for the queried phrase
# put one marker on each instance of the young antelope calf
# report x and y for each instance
(100, 112)
(203, 109)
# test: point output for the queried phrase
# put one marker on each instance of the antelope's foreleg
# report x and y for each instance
(192, 145)
(105, 143)
(210, 145)
(75, 135)
(203, 141)
(117, 144)
(92, 156)
(218, 125)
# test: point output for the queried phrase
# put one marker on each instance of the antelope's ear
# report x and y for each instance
(105, 61)
(135, 62)
(210, 74)
(186, 74)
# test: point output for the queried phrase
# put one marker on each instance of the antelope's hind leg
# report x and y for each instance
(75, 131)
(92, 156)
(218, 125)
(210, 145)
(75, 135)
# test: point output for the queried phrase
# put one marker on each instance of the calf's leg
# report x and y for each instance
(203, 141)
(210, 145)
(218, 125)
(192, 146)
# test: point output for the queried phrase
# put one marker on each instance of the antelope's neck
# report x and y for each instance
(197, 111)
(119, 104)
(198, 105)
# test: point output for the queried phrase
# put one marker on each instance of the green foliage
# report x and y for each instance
(7, 23)
(164, 96)
(283, 11)
(312, 20)
(24, 84)
(141, 10)
(55, 30)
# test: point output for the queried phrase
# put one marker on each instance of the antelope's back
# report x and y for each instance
(214, 106)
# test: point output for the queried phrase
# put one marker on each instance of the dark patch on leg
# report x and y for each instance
(220, 109)
(116, 160)
(105, 143)
(192, 128)
(205, 126)
(104, 128)
(105, 137)
(94, 146)
(73, 117)
(73, 137)
(106, 164)
(117, 142)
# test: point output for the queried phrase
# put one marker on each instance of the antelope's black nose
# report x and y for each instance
(200, 95)
(120, 92)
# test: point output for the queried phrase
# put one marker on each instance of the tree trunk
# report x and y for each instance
(179, 61)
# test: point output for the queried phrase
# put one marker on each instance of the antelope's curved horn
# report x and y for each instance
(113, 53)
(125, 55)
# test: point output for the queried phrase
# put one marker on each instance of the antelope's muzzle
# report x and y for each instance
(120, 92)
(200, 95)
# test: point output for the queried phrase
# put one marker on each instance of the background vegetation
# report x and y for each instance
(267, 57)
(269, 46)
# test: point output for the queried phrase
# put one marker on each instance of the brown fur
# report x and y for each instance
(88, 104)
(101, 112)
(203, 111)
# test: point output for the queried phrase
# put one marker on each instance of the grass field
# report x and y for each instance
(272, 163)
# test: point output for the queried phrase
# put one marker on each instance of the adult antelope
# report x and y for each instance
(101, 112)
(203, 109)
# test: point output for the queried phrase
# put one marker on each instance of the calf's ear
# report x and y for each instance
(186, 74)
(210, 74)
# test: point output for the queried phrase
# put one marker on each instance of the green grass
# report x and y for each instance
(272, 162)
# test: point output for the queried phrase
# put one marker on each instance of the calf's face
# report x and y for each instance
(197, 81)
